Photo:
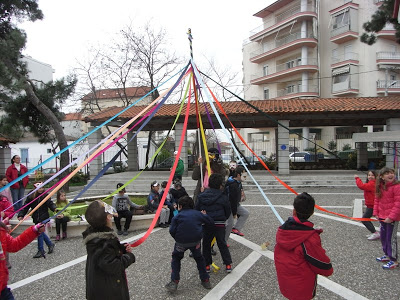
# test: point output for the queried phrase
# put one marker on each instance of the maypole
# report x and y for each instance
(190, 38)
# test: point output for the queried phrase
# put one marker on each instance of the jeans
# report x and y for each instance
(61, 223)
(43, 237)
(217, 231)
(17, 194)
(6, 294)
(127, 214)
(177, 256)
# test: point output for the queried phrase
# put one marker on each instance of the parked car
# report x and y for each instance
(299, 156)
(253, 161)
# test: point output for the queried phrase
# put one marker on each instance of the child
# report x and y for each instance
(369, 194)
(387, 210)
(216, 204)
(6, 192)
(233, 188)
(6, 212)
(153, 201)
(10, 244)
(122, 204)
(107, 258)
(41, 214)
(177, 191)
(186, 228)
(64, 218)
(299, 256)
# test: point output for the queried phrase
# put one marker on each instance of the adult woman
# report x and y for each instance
(17, 189)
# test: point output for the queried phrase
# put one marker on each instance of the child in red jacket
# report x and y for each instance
(369, 195)
(10, 244)
(299, 256)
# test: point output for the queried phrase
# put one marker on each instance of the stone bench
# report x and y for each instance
(75, 228)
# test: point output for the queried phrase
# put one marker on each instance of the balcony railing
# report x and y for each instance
(344, 57)
(387, 55)
(389, 84)
(278, 43)
(344, 86)
(339, 30)
(281, 17)
(296, 89)
(286, 66)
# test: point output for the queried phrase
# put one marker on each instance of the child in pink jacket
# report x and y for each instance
(387, 210)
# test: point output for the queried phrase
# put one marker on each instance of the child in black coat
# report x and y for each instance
(107, 258)
(187, 230)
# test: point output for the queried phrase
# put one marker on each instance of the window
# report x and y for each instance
(290, 64)
(265, 70)
(341, 78)
(290, 88)
(259, 136)
(341, 19)
(347, 132)
(48, 150)
(266, 94)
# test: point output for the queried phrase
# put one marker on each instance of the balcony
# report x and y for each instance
(347, 87)
(343, 34)
(392, 86)
(281, 20)
(286, 69)
(345, 59)
(388, 32)
(298, 91)
(383, 58)
(283, 45)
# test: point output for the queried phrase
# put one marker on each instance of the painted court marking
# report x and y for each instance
(69, 264)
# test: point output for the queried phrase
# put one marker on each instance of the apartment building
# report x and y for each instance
(312, 49)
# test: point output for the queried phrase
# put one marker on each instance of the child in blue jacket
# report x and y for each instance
(187, 230)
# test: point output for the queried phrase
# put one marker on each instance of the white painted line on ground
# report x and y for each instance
(290, 206)
(358, 208)
(229, 281)
(69, 264)
(254, 192)
(322, 281)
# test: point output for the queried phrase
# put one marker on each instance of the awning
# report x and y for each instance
(342, 70)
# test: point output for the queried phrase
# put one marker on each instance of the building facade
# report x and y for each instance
(312, 49)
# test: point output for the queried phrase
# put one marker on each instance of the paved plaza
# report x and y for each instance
(356, 273)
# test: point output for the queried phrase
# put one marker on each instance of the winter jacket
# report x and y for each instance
(186, 227)
(7, 193)
(215, 203)
(12, 174)
(196, 175)
(233, 190)
(60, 206)
(153, 200)
(299, 258)
(369, 191)
(106, 262)
(10, 244)
(5, 204)
(388, 205)
(123, 202)
(42, 213)
(176, 194)
(179, 168)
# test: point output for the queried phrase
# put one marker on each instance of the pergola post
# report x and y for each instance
(283, 148)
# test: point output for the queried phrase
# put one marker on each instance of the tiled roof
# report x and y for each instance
(117, 93)
(72, 117)
(289, 106)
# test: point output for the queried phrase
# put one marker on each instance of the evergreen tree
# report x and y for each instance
(16, 88)
(379, 19)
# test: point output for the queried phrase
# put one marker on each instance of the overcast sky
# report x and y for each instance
(219, 28)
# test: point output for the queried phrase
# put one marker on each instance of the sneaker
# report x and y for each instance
(208, 269)
(119, 232)
(374, 236)
(390, 265)
(171, 286)
(64, 235)
(383, 259)
(51, 248)
(125, 232)
(227, 245)
(206, 284)
(57, 237)
(228, 268)
(235, 231)
(39, 254)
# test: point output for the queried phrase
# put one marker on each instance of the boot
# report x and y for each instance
(57, 237)
(64, 235)
(39, 254)
(51, 248)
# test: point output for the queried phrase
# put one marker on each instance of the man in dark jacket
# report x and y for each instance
(187, 230)
(216, 204)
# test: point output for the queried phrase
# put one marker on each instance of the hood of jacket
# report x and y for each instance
(294, 232)
(210, 196)
(91, 236)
